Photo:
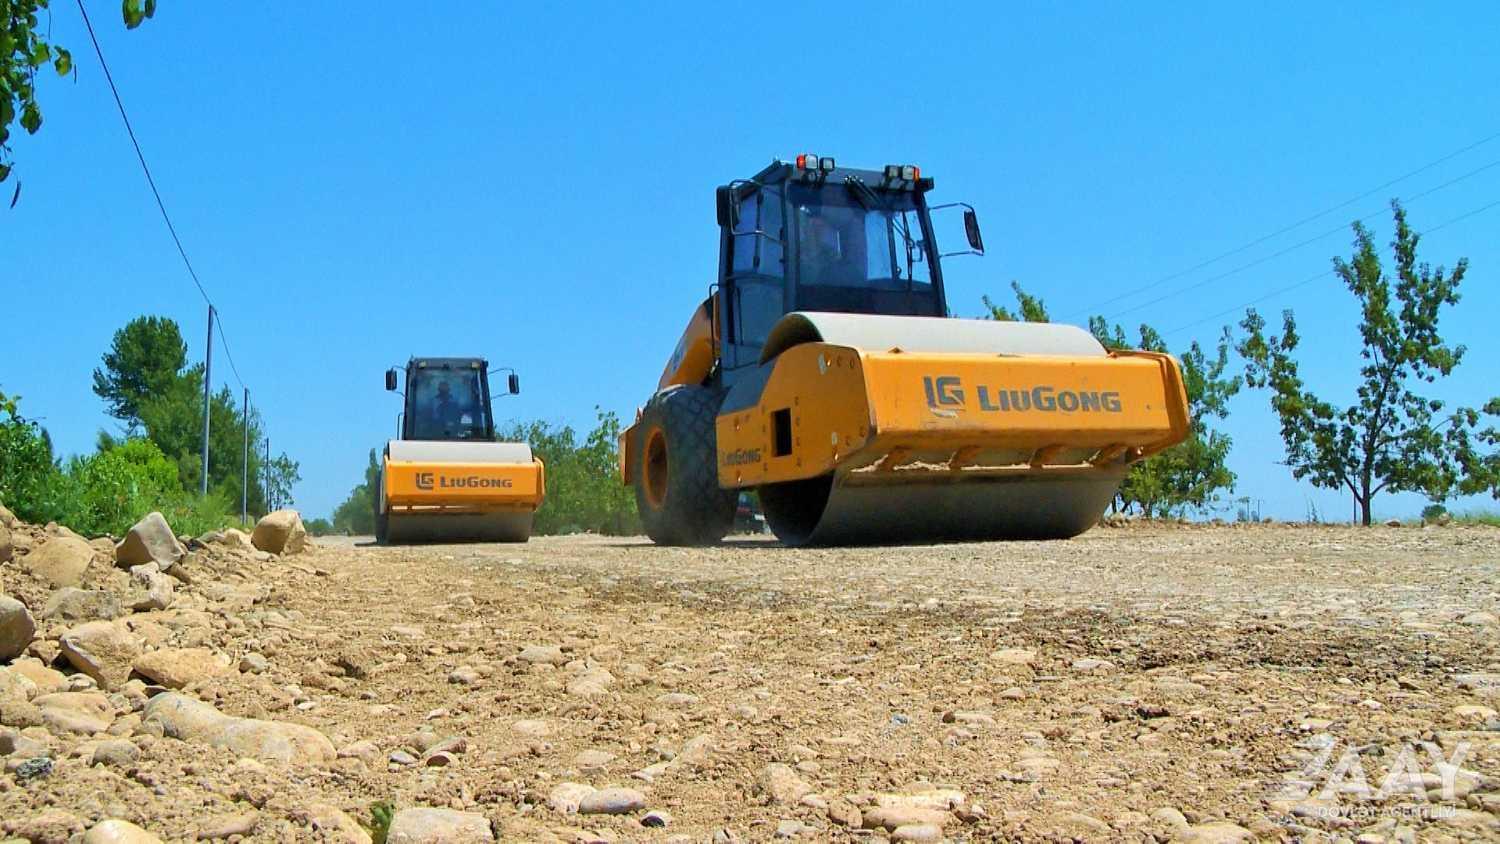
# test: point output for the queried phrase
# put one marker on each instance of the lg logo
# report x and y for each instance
(943, 391)
(424, 480)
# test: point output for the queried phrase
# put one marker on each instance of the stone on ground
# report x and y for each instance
(60, 561)
(438, 826)
(116, 831)
(73, 604)
(178, 667)
(104, 650)
(280, 532)
(16, 628)
(184, 718)
(150, 540)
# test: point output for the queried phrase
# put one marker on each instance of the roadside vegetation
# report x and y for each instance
(1391, 439)
(154, 460)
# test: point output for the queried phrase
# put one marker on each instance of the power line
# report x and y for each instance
(1305, 220)
(1274, 255)
(140, 155)
(1312, 278)
(224, 341)
(160, 205)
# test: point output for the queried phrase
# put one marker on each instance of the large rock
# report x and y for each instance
(186, 719)
(156, 590)
(16, 628)
(73, 604)
(7, 518)
(177, 667)
(85, 713)
(118, 832)
(61, 561)
(104, 650)
(7, 551)
(280, 532)
(333, 824)
(236, 540)
(438, 826)
(150, 540)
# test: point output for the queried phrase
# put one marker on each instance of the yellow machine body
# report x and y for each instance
(829, 408)
(444, 491)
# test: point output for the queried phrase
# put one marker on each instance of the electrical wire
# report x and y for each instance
(1293, 226)
(1315, 277)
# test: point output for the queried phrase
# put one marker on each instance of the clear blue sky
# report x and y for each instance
(358, 184)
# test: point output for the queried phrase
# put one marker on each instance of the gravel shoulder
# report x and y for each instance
(1144, 683)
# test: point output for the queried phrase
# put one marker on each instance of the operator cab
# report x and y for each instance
(811, 236)
(448, 399)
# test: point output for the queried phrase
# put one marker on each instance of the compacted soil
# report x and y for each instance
(1157, 682)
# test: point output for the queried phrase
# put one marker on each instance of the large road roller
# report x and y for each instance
(445, 479)
(824, 373)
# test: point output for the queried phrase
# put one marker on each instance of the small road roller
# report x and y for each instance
(445, 479)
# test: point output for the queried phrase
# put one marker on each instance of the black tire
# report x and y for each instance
(676, 471)
(382, 520)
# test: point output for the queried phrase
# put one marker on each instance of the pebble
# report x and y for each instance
(611, 801)
(656, 819)
(402, 758)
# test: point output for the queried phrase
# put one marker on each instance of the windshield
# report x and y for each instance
(446, 404)
(868, 239)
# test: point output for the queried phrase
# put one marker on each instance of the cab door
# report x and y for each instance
(755, 281)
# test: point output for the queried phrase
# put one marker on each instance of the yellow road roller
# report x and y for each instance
(824, 373)
(445, 479)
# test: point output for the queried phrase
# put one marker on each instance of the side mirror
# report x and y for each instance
(390, 379)
(514, 382)
(971, 228)
(728, 206)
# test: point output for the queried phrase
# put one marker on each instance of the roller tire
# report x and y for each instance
(382, 520)
(676, 474)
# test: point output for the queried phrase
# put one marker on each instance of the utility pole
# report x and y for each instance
(208, 368)
(266, 473)
(245, 467)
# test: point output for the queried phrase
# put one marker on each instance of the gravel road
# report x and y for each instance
(1137, 683)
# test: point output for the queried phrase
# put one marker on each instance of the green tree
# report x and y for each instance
(1193, 473)
(145, 359)
(584, 492)
(147, 383)
(30, 481)
(24, 50)
(356, 516)
(1029, 308)
(1392, 438)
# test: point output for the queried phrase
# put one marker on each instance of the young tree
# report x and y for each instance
(1194, 472)
(144, 360)
(1392, 439)
(24, 49)
(1029, 308)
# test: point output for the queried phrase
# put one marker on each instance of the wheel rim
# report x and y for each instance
(654, 469)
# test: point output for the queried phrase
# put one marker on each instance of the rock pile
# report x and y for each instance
(109, 649)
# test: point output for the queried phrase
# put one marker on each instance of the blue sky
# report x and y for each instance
(535, 185)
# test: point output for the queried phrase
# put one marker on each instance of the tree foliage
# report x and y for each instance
(25, 49)
(356, 516)
(147, 383)
(144, 360)
(1194, 473)
(1392, 438)
(584, 493)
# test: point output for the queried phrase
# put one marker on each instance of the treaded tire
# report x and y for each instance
(382, 520)
(676, 473)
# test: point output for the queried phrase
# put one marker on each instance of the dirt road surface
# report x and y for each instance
(1139, 683)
